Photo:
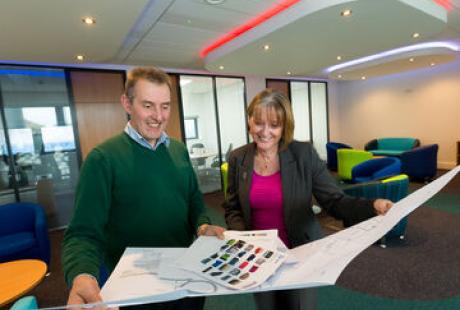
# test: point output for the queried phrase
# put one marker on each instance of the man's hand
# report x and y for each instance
(211, 230)
(85, 290)
(381, 206)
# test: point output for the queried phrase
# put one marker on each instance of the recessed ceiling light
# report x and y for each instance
(432, 64)
(339, 76)
(346, 13)
(339, 57)
(411, 59)
(214, 2)
(89, 20)
(266, 47)
(288, 73)
(415, 35)
(80, 57)
(363, 77)
(221, 67)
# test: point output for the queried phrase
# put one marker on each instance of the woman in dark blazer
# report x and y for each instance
(271, 183)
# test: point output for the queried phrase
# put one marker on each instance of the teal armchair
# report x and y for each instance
(394, 189)
(391, 146)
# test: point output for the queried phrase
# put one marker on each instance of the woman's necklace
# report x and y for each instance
(266, 162)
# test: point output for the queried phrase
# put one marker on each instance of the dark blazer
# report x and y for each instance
(303, 175)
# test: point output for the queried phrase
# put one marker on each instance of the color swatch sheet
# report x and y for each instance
(234, 263)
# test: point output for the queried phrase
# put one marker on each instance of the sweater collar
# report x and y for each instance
(136, 136)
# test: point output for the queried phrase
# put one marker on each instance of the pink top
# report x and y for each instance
(266, 201)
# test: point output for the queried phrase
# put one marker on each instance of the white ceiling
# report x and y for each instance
(171, 33)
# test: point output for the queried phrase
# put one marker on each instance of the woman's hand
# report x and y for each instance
(381, 206)
(211, 230)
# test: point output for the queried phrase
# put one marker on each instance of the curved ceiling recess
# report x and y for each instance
(307, 36)
(402, 59)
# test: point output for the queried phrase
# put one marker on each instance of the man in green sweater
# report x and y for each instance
(136, 189)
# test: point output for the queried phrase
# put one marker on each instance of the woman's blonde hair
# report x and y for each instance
(279, 103)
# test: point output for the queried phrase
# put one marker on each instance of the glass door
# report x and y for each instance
(232, 114)
(201, 129)
(7, 193)
(320, 131)
(38, 120)
(301, 110)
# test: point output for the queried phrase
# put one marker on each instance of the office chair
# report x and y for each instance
(198, 162)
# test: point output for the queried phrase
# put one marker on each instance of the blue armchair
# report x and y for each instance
(420, 163)
(331, 150)
(375, 169)
(23, 232)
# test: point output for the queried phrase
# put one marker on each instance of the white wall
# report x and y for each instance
(202, 106)
(423, 104)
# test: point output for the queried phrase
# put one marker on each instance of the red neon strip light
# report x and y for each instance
(447, 4)
(269, 13)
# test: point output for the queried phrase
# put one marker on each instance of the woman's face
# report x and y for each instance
(265, 128)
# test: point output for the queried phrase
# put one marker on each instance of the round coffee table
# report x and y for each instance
(18, 277)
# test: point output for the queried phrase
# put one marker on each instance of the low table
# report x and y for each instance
(19, 277)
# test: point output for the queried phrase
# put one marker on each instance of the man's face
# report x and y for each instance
(149, 109)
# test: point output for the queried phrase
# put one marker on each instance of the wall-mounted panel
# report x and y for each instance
(174, 125)
(97, 104)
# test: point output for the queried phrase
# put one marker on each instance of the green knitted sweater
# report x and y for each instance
(129, 195)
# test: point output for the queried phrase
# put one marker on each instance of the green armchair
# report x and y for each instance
(347, 159)
(224, 171)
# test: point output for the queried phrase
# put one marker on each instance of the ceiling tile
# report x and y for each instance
(203, 16)
(165, 32)
(249, 7)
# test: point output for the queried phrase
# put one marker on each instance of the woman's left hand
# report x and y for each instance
(211, 230)
(381, 206)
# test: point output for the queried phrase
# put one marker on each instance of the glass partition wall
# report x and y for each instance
(39, 162)
(214, 123)
(309, 106)
(301, 110)
(232, 114)
(319, 117)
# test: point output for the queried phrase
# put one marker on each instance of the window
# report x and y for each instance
(58, 138)
(21, 140)
(191, 127)
(40, 116)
